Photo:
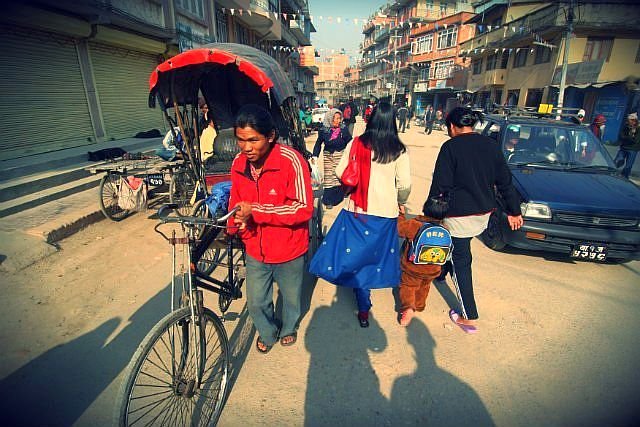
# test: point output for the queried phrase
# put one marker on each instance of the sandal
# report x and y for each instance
(288, 340)
(455, 317)
(262, 347)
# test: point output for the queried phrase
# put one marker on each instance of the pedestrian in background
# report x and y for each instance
(429, 117)
(335, 137)
(271, 184)
(629, 145)
(403, 112)
(597, 126)
(349, 113)
(468, 168)
(361, 250)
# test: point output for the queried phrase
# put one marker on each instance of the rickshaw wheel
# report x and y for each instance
(109, 188)
(181, 189)
(212, 257)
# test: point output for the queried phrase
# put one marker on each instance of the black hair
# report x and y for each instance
(257, 118)
(381, 134)
(462, 117)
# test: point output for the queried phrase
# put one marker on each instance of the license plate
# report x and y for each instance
(155, 179)
(589, 252)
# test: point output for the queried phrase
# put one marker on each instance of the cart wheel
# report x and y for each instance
(109, 190)
(181, 190)
(200, 210)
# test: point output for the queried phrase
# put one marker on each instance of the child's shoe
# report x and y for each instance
(406, 316)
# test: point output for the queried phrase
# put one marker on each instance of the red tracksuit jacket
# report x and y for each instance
(281, 205)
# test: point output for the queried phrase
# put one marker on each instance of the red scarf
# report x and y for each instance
(361, 192)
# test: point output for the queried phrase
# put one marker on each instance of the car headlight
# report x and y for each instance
(535, 210)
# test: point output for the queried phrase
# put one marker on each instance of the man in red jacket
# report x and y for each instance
(271, 183)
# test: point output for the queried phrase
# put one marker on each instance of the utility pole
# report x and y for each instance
(565, 59)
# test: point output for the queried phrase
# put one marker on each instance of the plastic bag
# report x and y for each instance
(316, 174)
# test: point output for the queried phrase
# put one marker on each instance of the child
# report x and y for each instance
(415, 280)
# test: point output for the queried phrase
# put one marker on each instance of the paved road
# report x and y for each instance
(556, 346)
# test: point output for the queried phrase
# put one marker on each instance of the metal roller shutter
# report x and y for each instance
(43, 104)
(122, 81)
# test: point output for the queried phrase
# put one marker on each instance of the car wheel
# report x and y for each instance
(492, 236)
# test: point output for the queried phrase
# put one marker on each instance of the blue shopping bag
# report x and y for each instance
(359, 251)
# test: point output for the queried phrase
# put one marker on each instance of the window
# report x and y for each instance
(520, 59)
(424, 72)
(534, 97)
(448, 38)
(491, 61)
(443, 69)
(221, 27)
(477, 66)
(543, 54)
(424, 44)
(498, 96)
(192, 6)
(504, 60)
(512, 97)
(598, 48)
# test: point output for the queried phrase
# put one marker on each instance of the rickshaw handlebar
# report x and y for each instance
(165, 211)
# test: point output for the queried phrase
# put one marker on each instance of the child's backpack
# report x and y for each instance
(432, 244)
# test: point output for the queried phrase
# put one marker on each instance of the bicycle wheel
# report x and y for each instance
(181, 190)
(109, 190)
(163, 385)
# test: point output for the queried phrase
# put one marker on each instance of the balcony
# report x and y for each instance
(259, 20)
(518, 32)
(381, 35)
(297, 29)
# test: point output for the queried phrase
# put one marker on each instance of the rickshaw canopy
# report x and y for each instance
(228, 75)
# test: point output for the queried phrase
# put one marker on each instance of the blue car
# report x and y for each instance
(574, 201)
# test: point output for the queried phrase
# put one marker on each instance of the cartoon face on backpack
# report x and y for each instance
(434, 255)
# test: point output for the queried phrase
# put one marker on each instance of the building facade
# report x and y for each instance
(85, 65)
(330, 81)
(517, 56)
(406, 42)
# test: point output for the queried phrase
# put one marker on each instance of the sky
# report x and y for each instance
(333, 35)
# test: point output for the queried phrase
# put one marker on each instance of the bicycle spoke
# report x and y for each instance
(150, 406)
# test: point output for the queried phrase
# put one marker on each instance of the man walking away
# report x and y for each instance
(629, 145)
(349, 113)
(403, 112)
(429, 116)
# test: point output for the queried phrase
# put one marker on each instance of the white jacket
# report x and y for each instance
(389, 184)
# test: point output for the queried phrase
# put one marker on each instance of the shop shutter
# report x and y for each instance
(122, 82)
(43, 104)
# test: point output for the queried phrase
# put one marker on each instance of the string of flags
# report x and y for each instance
(294, 16)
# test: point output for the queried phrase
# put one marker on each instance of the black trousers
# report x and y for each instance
(403, 124)
(462, 258)
(429, 127)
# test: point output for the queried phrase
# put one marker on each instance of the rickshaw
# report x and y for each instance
(179, 374)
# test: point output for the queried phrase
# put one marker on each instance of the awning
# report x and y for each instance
(586, 85)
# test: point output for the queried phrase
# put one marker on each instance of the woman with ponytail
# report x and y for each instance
(468, 168)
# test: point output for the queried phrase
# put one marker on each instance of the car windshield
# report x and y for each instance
(547, 146)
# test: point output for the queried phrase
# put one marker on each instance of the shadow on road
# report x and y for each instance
(57, 387)
(430, 395)
(342, 386)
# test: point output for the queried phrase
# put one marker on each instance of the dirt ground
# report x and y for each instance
(556, 345)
